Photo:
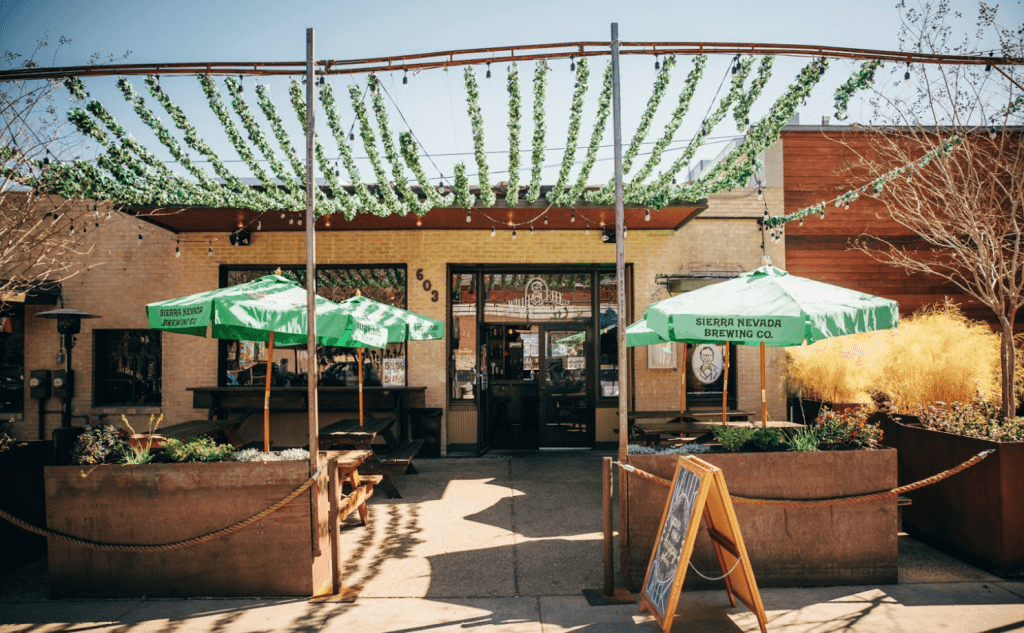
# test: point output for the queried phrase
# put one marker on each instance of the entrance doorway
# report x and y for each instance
(529, 353)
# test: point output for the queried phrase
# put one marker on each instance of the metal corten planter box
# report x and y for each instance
(977, 514)
(788, 547)
(162, 503)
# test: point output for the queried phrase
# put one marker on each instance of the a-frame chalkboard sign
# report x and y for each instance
(698, 491)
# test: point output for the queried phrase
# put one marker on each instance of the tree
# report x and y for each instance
(42, 237)
(966, 200)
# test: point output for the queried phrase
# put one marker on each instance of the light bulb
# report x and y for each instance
(209, 251)
(488, 70)
(140, 238)
(492, 230)
(545, 220)
(419, 221)
(259, 225)
(291, 219)
(531, 229)
(572, 218)
(625, 232)
(647, 215)
(177, 251)
(657, 64)
(587, 232)
(513, 234)
(300, 220)
(469, 217)
(282, 215)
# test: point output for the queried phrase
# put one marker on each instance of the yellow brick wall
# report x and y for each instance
(124, 275)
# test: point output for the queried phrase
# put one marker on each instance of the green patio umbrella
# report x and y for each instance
(264, 309)
(766, 306)
(401, 325)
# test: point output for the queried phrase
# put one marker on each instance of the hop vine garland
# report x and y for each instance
(296, 195)
(257, 201)
(410, 152)
(540, 79)
(367, 200)
(741, 163)
(412, 201)
(606, 195)
(514, 127)
(391, 203)
(283, 140)
(340, 201)
(476, 119)
(217, 105)
(942, 150)
(742, 111)
(600, 122)
(463, 196)
(558, 193)
(858, 81)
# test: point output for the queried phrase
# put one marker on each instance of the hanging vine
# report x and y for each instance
(514, 127)
(557, 193)
(745, 101)
(476, 119)
(391, 203)
(463, 196)
(367, 200)
(600, 122)
(858, 81)
(340, 202)
(410, 152)
(412, 201)
(283, 140)
(296, 193)
(539, 83)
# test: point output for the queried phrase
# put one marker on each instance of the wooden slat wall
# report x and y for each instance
(813, 171)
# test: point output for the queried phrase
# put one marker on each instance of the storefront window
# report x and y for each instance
(127, 368)
(536, 298)
(463, 337)
(12, 359)
(245, 362)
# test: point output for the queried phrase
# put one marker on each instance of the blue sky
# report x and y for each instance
(434, 103)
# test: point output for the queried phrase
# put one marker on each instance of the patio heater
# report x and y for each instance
(69, 323)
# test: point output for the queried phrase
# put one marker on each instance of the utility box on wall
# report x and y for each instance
(63, 384)
(39, 384)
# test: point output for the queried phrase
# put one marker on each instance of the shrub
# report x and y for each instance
(197, 449)
(141, 454)
(767, 439)
(845, 430)
(805, 440)
(979, 418)
(6, 439)
(936, 354)
(99, 444)
(256, 455)
(732, 438)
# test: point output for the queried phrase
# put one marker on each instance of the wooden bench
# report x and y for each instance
(198, 428)
(397, 462)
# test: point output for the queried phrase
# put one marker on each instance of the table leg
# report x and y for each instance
(364, 512)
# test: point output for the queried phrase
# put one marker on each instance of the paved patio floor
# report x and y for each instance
(508, 544)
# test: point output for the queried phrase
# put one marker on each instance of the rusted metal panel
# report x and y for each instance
(977, 514)
(21, 494)
(162, 503)
(788, 547)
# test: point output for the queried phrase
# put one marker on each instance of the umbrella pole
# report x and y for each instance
(764, 396)
(682, 384)
(725, 382)
(360, 352)
(266, 395)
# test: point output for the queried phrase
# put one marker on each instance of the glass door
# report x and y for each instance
(567, 417)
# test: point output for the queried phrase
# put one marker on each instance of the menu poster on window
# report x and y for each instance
(394, 372)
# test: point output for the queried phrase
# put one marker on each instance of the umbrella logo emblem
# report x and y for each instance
(536, 290)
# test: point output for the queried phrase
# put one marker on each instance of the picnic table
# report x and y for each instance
(343, 474)
(396, 461)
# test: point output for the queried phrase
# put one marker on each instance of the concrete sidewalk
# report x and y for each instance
(509, 545)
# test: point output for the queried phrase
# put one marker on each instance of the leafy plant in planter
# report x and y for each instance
(6, 440)
(141, 452)
(847, 430)
(742, 438)
(804, 440)
(99, 444)
(197, 449)
(979, 419)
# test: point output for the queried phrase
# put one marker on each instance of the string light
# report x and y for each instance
(419, 221)
(545, 220)
(906, 75)
(300, 219)
(513, 233)
(469, 217)
(282, 214)
(405, 78)
(625, 232)
(489, 76)
(572, 63)
(291, 219)
(587, 232)
(140, 238)
(492, 230)
(531, 230)
(177, 249)
(647, 215)
(209, 250)
(657, 64)
(572, 218)
(327, 222)
(760, 194)
(259, 225)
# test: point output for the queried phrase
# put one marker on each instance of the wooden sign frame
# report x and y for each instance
(698, 487)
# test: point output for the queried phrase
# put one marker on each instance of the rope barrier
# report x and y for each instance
(722, 577)
(813, 503)
(164, 547)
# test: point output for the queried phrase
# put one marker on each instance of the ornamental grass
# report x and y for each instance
(935, 355)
